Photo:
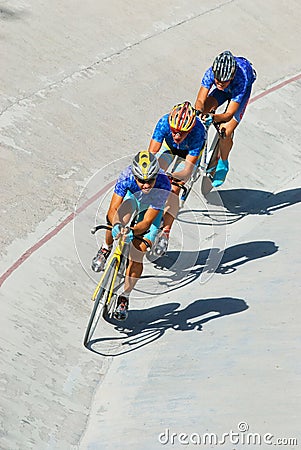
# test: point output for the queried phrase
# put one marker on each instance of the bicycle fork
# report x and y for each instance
(117, 255)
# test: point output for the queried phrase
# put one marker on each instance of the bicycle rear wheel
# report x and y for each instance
(100, 302)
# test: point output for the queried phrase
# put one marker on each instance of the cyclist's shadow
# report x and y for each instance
(242, 202)
(147, 325)
(185, 267)
(228, 206)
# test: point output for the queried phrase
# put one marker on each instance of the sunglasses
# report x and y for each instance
(180, 133)
(223, 82)
(149, 181)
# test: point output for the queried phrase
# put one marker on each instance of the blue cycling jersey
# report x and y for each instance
(244, 77)
(155, 199)
(193, 142)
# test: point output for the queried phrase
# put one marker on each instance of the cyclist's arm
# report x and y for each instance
(154, 146)
(184, 174)
(201, 97)
(225, 117)
(113, 215)
(149, 217)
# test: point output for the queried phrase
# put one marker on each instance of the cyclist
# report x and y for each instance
(141, 188)
(230, 78)
(182, 133)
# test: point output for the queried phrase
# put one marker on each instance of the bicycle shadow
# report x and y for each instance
(146, 326)
(181, 268)
(234, 204)
(242, 202)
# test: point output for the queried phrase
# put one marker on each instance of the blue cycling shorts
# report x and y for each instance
(138, 207)
(222, 97)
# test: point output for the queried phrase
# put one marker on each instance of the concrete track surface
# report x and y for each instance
(213, 343)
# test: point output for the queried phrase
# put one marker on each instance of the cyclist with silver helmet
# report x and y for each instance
(229, 79)
(180, 133)
(141, 188)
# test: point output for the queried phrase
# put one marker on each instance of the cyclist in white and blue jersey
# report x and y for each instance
(229, 79)
(180, 133)
(141, 189)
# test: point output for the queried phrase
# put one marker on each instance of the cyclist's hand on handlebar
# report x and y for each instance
(116, 230)
(172, 178)
(169, 175)
(207, 119)
(126, 232)
(128, 235)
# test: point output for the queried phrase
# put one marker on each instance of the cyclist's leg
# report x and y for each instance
(133, 273)
(164, 156)
(100, 259)
(128, 208)
(135, 266)
(210, 104)
(226, 144)
(215, 99)
(126, 211)
(172, 207)
(137, 252)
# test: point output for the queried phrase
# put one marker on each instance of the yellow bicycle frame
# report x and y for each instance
(116, 255)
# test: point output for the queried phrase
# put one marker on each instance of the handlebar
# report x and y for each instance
(109, 227)
(177, 182)
(221, 131)
(100, 227)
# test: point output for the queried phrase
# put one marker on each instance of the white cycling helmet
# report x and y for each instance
(145, 166)
(224, 66)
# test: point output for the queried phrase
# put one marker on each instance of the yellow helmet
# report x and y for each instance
(182, 117)
(145, 166)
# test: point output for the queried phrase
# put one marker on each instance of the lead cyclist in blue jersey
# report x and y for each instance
(230, 78)
(142, 188)
(180, 133)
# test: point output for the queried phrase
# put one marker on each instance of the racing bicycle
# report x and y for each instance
(105, 294)
(205, 165)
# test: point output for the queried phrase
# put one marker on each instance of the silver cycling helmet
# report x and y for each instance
(224, 66)
(145, 166)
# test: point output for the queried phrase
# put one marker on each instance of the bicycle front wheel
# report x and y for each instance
(100, 302)
(206, 185)
(189, 185)
(118, 272)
